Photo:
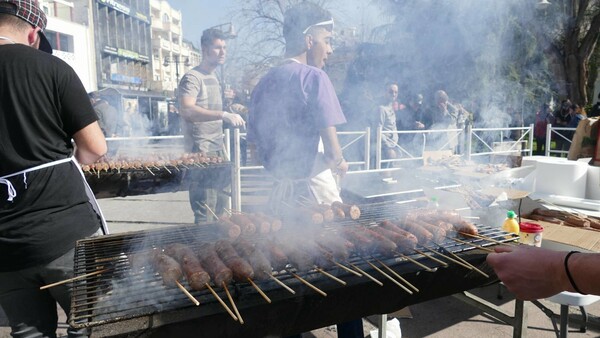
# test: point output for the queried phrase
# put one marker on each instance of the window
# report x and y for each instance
(166, 18)
(60, 41)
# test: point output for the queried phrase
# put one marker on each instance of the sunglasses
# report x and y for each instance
(322, 23)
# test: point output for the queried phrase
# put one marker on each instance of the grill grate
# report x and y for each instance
(119, 292)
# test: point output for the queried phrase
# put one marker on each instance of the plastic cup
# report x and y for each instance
(530, 234)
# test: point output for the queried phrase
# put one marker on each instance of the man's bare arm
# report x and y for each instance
(193, 113)
(90, 144)
(333, 151)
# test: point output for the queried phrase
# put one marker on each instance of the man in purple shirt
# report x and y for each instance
(293, 116)
(294, 107)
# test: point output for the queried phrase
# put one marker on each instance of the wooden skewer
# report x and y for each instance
(464, 261)
(330, 275)
(167, 169)
(233, 303)
(471, 244)
(366, 274)
(186, 292)
(468, 266)
(209, 209)
(389, 277)
(282, 284)
(416, 262)
(150, 171)
(486, 238)
(431, 257)
(259, 291)
(73, 279)
(397, 275)
(308, 284)
(346, 268)
(221, 301)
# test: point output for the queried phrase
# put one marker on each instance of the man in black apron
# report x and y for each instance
(44, 204)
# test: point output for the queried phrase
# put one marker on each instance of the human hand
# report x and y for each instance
(234, 119)
(419, 125)
(529, 272)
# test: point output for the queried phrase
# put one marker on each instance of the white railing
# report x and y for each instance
(562, 137)
(415, 153)
(493, 141)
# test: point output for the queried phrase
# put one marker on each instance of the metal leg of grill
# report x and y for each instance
(518, 320)
(382, 325)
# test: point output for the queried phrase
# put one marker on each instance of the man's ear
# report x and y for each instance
(33, 37)
(308, 41)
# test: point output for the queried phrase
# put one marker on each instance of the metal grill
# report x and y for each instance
(147, 180)
(117, 292)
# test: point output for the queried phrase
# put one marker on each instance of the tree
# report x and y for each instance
(569, 39)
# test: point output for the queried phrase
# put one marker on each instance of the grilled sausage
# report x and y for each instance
(350, 210)
(217, 270)
(338, 213)
(362, 243)
(248, 227)
(263, 226)
(275, 254)
(231, 229)
(334, 244)
(404, 243)
(326, 210)
(276, 223)
(438, 233)
(391, 226)
(167, 267)
(195, 274)
(303, 215)
(241, 269)
(423, 235)
(382, 244)
(259, 262)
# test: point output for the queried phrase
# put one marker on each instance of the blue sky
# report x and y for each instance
(197, 15)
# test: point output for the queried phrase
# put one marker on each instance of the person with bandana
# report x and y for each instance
(294, 111)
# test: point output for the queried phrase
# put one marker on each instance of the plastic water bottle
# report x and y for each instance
(510, 223)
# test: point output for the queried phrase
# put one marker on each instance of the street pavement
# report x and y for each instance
(442, 317)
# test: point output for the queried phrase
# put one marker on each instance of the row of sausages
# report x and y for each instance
(248, 224)
(240, 260)
(320, 213)
(157, 161)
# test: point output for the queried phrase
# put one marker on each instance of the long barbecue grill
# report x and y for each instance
(116, 300)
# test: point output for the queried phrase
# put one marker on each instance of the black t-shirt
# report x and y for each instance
(43, 104)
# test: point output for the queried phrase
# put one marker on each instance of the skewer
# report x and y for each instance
(308, 284)
(468, 266)
(282, 284)
(209, 209)
(415, 262)
(330, 275)
(233, 303)
(346, 268)
(486, 238)
(150, 171)
(397, 275)
(464, 261)
(167, 169)
(73, 279)
(388, 277)
(187, 293)
(431, 257)
(471, 244)
(366, 274)
(221, 301)
(259, 291)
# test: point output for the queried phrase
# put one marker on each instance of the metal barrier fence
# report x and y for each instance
(411, 146)
(562, 137)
